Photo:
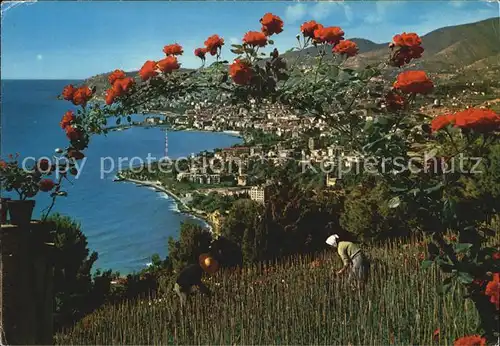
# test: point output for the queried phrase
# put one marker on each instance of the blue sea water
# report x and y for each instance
(124, 223)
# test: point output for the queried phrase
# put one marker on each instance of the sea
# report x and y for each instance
(124, 223)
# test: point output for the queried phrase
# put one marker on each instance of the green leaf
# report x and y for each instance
(465, 278)
(129, 119)
(462, 247)
(449, 207)
(435, 188)
(397, 189)
(270, 41)
(118, 121)
(426, 264)
(446, 285)
(237, 51)
(394, 202)
(237, 46)
(414, 192)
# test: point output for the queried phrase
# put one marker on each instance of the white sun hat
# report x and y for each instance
(332, 240)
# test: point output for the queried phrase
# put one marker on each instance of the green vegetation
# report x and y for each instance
(212, 202)
(295, 302)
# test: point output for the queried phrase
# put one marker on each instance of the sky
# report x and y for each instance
(78, 39)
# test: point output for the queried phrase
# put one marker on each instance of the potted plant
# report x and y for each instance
(26, 183)
(3, 210)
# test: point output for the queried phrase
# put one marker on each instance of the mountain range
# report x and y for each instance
(473, 46)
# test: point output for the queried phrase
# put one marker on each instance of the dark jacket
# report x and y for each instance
(190, 276)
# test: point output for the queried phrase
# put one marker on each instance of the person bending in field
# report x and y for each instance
(353, 258)
(191, 276)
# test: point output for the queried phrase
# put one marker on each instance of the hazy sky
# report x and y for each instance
(72, 40)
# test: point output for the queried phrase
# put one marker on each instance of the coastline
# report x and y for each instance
(183, 208)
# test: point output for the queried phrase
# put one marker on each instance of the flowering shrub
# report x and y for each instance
(25, 182)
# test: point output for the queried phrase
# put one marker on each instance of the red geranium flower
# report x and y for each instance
(73, 134)
(255, 38)
(68, 92)
(148, 70)
(481, 120)
(46, 185)
(173, 49)
(441, 121)
(82, 95)
(331, 34)
(110, 96)
(471, 340)
(415, 82)
(496, 256)
(168, 64)
(408, 48)
(407, 40)
(43, 165)
(200, 53)
(346, 47)
(3, 164)
(271, 24)
(75, 154)
(122, 86)
(493, 290)
(394, 101)
(214, 43)
(67, 119)
(116, 75)
(241, 72)
(308, 28)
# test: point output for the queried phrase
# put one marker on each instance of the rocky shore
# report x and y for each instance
(159, 187)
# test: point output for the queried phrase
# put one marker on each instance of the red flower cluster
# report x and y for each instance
(477, 119)
(200, 53)
(496, 256)
(148, 70)
(46, 185)
(82, 95)
(347, 47)
(493, 290)
(213, 44)
(115, 75)
(331, 34)
(75, 154)
(480, 120)
(168, 64)
(407, 48)
(68, 92)
(43, 165)
(441, 121)
(79, 96)
(173, 49)
(241, 72)
(271, 24)
(73, 134)
(67, 119)
(255, 39)
(120, 84)
(414, 82)
(394, 101)
(308, 28)
(471, 340)
(3, 164)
